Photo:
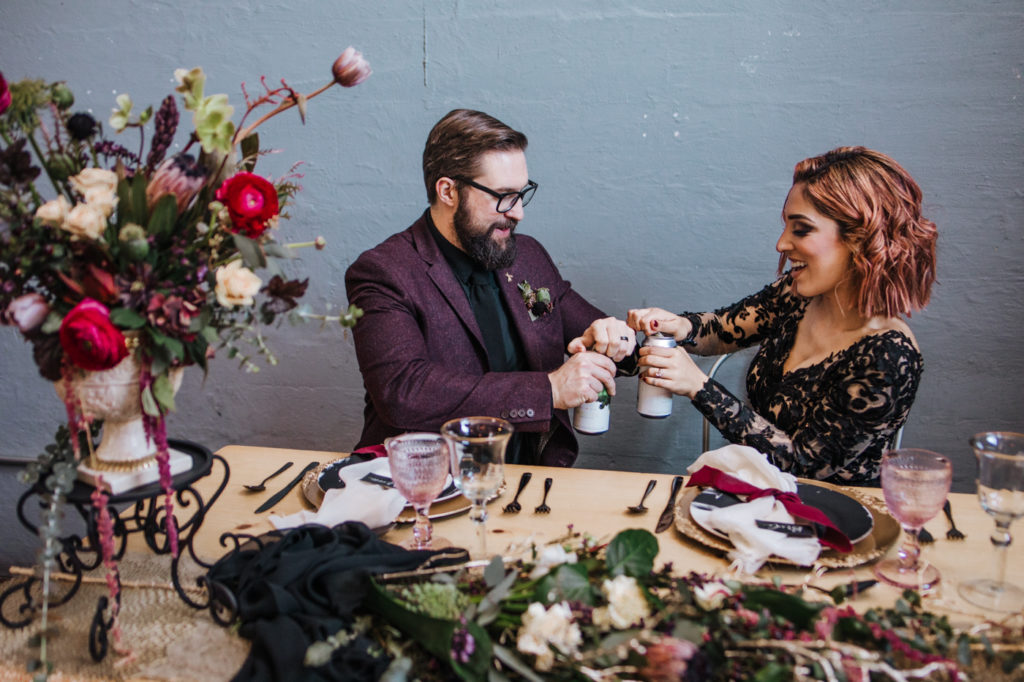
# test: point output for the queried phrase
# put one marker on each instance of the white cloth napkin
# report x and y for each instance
(357, 501)
(753, 545)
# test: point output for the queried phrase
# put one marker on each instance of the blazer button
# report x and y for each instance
(529, 412)
(504, 414)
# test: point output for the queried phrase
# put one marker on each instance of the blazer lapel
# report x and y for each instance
(444, 279)
(508, 282)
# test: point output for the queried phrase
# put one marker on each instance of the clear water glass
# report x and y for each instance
(419, 469)
(1000, 456)
(477, 450)
(915, 484)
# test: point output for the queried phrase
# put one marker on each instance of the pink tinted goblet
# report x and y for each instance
(915, 484)
(419, 469)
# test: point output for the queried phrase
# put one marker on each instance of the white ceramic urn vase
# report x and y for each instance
(114, 396)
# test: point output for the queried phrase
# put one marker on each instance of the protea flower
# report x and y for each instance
(180, 175)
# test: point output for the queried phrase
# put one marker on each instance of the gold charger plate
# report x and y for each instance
(439, 510)
(885, 532)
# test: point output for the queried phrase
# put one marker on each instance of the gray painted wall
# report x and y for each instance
(663, 136)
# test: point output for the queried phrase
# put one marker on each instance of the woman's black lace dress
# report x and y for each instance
(830, 421)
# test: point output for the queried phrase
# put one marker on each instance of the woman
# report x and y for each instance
(837, 368)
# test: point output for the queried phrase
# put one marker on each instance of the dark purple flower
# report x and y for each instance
(463, 645)
(81, 126)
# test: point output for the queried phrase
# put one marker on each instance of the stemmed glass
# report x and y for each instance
(1001, 492)
(419, 469)
(915, 484)
(477, 448)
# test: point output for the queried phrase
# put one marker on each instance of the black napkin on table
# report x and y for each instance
(298, 587)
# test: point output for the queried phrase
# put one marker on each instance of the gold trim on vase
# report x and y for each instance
(122, 467)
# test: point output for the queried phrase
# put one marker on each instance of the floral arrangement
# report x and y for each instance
(578, 610)
(112, 247)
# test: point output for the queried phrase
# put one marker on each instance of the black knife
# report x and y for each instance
(669, 515)
(279, 495)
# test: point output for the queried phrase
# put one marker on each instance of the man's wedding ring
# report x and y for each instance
(624, 338)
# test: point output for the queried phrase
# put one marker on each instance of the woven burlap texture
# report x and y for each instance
(169, 640)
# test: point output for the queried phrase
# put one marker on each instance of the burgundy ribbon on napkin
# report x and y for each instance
(375, 450)
(716, 478)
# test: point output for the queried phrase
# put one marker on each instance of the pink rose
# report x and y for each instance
(26, 312)
(5, 94)
(251, 201)
(89, 339)
(351, 68)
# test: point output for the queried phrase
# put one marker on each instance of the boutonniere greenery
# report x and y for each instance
(538, 301)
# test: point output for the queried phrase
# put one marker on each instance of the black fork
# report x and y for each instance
(544, 508)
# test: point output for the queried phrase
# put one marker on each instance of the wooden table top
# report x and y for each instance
(595, 501)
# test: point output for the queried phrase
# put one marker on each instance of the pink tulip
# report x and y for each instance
(351, 68)
(27, 312)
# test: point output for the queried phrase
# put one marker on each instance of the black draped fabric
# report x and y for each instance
(301, 586)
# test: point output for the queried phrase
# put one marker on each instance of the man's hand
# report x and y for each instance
(580, 379)
(607, 336)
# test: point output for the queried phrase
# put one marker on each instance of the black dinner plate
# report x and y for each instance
(846, 513)
(330, 477)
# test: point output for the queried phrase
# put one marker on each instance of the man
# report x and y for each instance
(464, 317)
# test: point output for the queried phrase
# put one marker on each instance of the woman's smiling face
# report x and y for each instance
(820, 261)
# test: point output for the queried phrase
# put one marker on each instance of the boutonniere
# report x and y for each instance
(538, 301)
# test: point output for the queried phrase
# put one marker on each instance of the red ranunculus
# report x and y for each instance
(5, 95)
(89, 339)
(251, 202)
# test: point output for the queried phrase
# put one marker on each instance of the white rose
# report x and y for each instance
(94, 178)
(85, 221)
(710, 596)
(543, 629)
(236, 285)
(627, 605)
(54, 212)
(101, 200)
(551, 556)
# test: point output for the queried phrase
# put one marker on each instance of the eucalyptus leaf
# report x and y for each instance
(632, 553)
(138, 192)
(279, 251)
(495, 571)
(250, 250)
(509, 658)
(126, 318)
(163, 391)
(149, 405)
(568, 582)
(789, 606)
(165, 212)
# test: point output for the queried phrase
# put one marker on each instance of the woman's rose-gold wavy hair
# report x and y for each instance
(878, 208)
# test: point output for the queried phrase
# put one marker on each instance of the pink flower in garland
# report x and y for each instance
(251, 201)
(90, 339)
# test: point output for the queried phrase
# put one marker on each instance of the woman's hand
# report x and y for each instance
(671, 368)
(608, 336)
(650, 320)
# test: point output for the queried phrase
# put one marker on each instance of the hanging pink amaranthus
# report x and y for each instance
(105, 531)
(156, 432)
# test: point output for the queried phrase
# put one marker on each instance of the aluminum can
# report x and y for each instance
(653, 401)
(593, 418)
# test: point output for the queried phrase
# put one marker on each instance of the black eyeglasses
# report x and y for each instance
(506, 200)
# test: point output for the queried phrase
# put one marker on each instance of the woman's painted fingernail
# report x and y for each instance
(654, 324)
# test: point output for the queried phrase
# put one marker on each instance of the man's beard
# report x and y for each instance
(481, 246)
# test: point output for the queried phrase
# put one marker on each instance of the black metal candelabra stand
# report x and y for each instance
(135, 511)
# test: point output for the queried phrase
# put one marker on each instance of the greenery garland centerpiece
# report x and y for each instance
(580, 610)
(110, 249)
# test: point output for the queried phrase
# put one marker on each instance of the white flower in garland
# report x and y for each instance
(551, 556)
(543, 629)
(627, 605)
(710, 596)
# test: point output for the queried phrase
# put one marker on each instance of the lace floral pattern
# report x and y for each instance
(830, 421)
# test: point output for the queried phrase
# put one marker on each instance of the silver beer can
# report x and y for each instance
(653, 401)
(593, 418)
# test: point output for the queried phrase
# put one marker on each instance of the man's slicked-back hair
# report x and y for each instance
(457, 142)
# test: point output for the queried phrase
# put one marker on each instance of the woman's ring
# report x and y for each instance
(657, 373)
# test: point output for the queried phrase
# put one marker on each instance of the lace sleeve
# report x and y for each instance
(742, 324)
(844, 422)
